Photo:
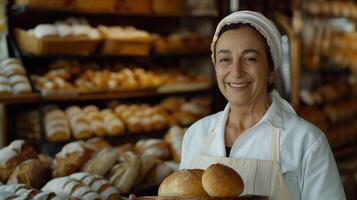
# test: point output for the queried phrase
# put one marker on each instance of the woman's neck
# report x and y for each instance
(241, 118)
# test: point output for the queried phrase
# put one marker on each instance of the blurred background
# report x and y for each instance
(133, 74)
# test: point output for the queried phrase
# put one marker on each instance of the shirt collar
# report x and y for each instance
(273, 116)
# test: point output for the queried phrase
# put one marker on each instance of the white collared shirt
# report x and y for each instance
(306, 159)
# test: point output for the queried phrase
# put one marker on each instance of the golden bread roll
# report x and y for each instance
(183, 183)
(222, 181)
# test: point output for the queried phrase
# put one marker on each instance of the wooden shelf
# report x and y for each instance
(21, 9)
(125, 95)
(101, 57)
(20, 98)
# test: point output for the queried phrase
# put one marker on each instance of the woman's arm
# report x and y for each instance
(320, 178)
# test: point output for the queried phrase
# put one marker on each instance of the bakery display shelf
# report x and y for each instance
(53, 147)
(126, 94)
(152, 56)
(21, 9)
(19, 98)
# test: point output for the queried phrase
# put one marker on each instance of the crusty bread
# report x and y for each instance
(183, 183)
(219, 180)
(33, 173)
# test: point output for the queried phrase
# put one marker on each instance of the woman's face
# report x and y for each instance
(242, 66)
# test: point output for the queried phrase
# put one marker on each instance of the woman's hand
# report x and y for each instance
(132, 197)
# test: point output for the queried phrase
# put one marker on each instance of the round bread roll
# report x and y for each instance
(183, 183)
(222, 181)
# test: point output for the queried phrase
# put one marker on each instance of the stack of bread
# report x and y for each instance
(175, 80)
(83, 186)
(331, 8)
(77, 120)
(92, 161)
(93, 116)
(125, 170)
(70, 28)
(217, 180)
(13, 78)
(142, 118)
(56, 124)
(182, 43)
(21, 191)
(20, 163)
(114, 125)
(125, 40)
(94, 80)
(186, 111)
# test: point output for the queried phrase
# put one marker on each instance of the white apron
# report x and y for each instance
(261, 177)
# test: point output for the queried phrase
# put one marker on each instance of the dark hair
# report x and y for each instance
(262, 38)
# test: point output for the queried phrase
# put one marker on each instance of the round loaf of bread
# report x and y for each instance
(183, 183)
(222, 181)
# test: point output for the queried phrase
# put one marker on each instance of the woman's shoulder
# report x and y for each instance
(300, 131)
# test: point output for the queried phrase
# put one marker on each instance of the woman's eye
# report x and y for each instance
(251, 59)
(223, 60)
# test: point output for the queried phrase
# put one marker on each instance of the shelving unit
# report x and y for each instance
(151, 22)
(328, 80)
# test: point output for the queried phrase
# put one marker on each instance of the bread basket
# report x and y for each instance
(244, 197)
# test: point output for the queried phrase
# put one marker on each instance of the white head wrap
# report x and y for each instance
(265, 27)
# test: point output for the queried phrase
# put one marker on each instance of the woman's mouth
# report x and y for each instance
(239, 85)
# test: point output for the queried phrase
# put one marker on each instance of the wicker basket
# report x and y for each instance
(134, 6)
(53, 45)
(53, 4)
(95, 6)
(169, 7)
(135, 47)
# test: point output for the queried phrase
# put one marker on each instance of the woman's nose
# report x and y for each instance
(237, 69)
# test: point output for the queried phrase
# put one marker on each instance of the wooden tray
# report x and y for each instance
(244, 197)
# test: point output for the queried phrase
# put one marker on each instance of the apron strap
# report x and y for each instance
(275, 145)
(207, 142)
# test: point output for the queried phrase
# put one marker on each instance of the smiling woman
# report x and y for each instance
(277, 153)
(258, 134)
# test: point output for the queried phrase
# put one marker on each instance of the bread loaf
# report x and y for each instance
(102, 162)
(219, 180)
(147, 162)
(98, 184)
(56, 125)
(12, 155)
(33, 173)
(174, 138)
(159, 172)
(71, 187)
(70, 159)
(183, 183)
(156, 147)
(97, 144)
(123, 175)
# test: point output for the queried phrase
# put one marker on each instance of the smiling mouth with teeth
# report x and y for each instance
(238, 85)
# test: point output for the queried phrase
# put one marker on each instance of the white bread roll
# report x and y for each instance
(183, 183)
(43, 30)
(222, 181)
